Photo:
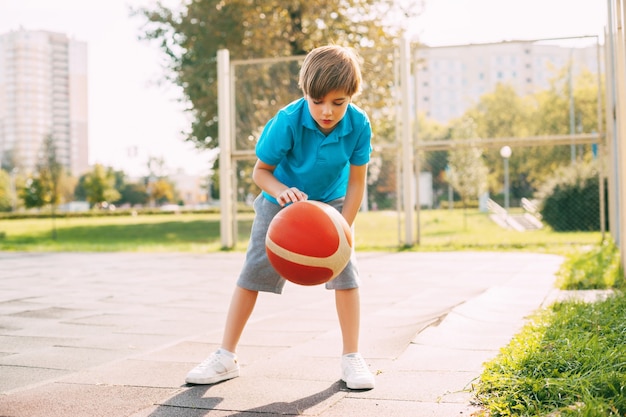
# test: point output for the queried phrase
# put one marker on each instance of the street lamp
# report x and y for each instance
(12, 176)
(505, 153)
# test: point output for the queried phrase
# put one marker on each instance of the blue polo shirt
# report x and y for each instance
(305, 158)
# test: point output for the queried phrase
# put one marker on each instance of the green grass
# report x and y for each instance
(598, 267)
(439, 230)
(142, 233)
(570, 360)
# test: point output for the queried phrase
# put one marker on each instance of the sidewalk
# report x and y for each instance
(113, 334)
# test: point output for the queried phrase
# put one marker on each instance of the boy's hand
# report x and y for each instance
(290, 195)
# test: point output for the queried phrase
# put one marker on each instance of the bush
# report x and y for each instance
(570, 200)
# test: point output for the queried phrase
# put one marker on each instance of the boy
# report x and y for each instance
(318, 148)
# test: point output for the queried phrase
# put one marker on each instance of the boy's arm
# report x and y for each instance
(354, 195)
(263, 176)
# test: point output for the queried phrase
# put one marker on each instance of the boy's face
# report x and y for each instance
(328, 111)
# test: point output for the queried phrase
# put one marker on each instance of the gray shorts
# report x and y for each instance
(259, 275)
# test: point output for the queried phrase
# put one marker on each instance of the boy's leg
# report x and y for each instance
(354, 370)
(222, 364)
(348, 305)
(241, 306)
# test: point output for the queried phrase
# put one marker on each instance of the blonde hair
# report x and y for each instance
(330, 68)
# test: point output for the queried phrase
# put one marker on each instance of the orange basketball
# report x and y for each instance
(309, 242)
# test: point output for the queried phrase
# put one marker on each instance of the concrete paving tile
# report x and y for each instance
(173, 411)
(323, 346)
(62, 358)
(131, 343)
(11, 301)
(175, 326)
(48, 313)
(422, 386)
(19, 344)
(404, 316)
(350, 407)
(277, 338)
(285, 323)
(436, 358)
(47, 328)
(133, 372)
(287, 365)
(502, 304)
(63, 400)
(388, 342)
(181, 351)
(107, 319)
(465, 333)
(8, 325)
(22, 376)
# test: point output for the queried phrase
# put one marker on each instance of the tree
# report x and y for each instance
(6, 191)
(504, 114)
(191, 36)
(46, 187)
(133, 194)
(162, 191)
(99, 185)
(33, 193)
(467, 171)
(50, 171)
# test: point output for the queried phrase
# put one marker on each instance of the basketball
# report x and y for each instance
(309, 242)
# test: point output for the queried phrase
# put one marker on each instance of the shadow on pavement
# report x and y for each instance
(193, 403)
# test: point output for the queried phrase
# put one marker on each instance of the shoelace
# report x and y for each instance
(209, 362)
(357, 364)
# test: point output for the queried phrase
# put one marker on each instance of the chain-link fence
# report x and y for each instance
(505, 132)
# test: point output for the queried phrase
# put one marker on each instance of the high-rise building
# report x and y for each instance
(453, 78)
(43, 92)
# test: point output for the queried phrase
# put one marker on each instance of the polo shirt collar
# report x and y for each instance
(343, 128)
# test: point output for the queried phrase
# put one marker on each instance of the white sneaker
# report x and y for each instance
(355, 373)
(217, 367)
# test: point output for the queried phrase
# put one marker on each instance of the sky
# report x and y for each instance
(134, 115)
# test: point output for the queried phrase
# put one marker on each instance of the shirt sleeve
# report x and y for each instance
(363, 148)
(275, 140)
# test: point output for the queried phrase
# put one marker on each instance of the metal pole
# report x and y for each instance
(601, 146)
(506, 184)
(407, 143)
(505, 153)
(620, 116)
(224, 120)
(572, 114)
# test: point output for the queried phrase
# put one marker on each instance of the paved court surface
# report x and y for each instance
(113, 334)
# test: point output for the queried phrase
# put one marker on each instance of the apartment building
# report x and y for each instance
(43, 91)
(451, 79)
